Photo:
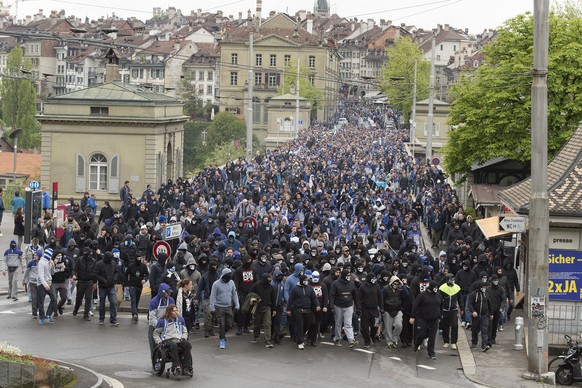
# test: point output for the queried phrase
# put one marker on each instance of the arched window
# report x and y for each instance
(98, 172)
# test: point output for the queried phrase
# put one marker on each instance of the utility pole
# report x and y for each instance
(297, 101)
(537, 264)
(429, 123)
(251, 81)
(413, 117)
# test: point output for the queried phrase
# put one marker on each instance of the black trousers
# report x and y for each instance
(84, 290)
(480, 324)
(450, 326)
(302, 323)
(314, 327)
(493, 326)
(426, 329)
(368, 322)
(180, 351)
(276, 324)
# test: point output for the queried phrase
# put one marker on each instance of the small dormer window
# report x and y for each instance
(99, 111)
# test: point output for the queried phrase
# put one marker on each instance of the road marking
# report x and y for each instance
(364, 351)
(114, 383)
(426, 367)
(396, 358)
(327, 343)
(7, 312)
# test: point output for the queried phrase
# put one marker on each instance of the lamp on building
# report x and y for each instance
(14, 135)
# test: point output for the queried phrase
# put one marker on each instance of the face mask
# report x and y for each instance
(263, 259)
(465, 268)
(347, 278)
(483, 289)
(434, 290)
(226, 278)
(332, 261)
(12, 246)
(192, 267)
(360, 269)
(305, 282)
(405, 264)
(291, 261)
(171, 270)
(385, 279)
(496, 282)
(373, 280)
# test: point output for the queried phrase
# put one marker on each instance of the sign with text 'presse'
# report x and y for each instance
(565, 281)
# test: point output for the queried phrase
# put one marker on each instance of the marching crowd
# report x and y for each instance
(318, 237)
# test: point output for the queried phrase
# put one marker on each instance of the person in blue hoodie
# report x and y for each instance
(291, 282)
(157, 309)
(223, 296)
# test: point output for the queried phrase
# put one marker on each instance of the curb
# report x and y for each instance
(97, 375)
(467, 360)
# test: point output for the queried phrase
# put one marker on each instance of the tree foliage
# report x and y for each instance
(226, 127)
(397, 79)
(19, 100)
(492, 105)
(306, 90)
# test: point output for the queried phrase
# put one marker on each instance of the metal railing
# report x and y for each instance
(564, 318)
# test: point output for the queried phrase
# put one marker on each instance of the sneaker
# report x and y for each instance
(8, 297)
(254, 340)
(15, 299)
(301, 347)
(177, 371)
(95, 302)
(239, 331)
(454, 346)
(134, 317)
(1, 235)
(474, 346)
(222, 343)
(75, 313)
(446, 345)
(34, 316)
(352, 343)
(188, 372)
(321, 335)
(60, 308)
(50, 319)
(468, 325)
(268, 344)
(69, 302)
(389, 345)
(337, 343)
(500, 328)
(91, 313)
(101, 322)
(486, 348)
(433, 357)
(114, 323)
(29, 299)
(206, 335)
(246, 330)
(463, 324)
(41, 321)
(367, 346)
(88, 319)
(197, 326)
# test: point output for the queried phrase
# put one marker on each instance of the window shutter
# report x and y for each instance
(80, 174)
(114, 174)
(437, 129)
(425, 131)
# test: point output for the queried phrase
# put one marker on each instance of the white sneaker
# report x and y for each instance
(1, 235)
(446, 345)
(454, 346)
(301, 347)
(500, 328)
(463, 324)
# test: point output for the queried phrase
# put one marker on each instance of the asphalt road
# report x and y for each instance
(123, 353)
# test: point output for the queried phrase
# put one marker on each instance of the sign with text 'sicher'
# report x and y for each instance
(565, 281)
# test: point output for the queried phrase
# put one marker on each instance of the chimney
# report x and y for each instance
(112, 67)
(272, 13)
(240, 16)
(259, 10)
(446, 26)
(310, 24)
(177, 45)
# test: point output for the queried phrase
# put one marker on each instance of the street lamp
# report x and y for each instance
(14, 135)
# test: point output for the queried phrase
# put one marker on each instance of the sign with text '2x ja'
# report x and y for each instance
(513, 224)
(565, 281)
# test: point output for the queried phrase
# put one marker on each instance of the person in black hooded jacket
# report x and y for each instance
(244, 279)
(426, 311)
(106, 271)
(203, 295)
(84, 274)
(266, 308)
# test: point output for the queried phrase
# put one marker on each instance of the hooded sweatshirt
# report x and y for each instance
(292, 280)
(392, 297)
(158, 305)
(223, 294)
(12, 258)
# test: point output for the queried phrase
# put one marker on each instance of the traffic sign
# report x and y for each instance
(513, 224)
(162, 247)
(34, 185)
(436, 161)
(300, 122)
(173, 231)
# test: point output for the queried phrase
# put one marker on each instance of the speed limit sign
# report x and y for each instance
(162, 247)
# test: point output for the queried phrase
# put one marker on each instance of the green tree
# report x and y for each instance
(492, 105)
(19, 100)
(193, 105)
(397, 79)
(306, 90)
(226, 127)
(194, 150)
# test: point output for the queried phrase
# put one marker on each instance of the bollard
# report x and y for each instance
(518, 345)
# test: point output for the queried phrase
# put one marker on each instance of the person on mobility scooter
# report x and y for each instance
(171, 337)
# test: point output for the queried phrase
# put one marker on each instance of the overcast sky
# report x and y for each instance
(473, 14)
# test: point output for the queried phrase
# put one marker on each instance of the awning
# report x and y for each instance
(490, 228)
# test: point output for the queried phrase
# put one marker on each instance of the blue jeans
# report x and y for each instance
(134, 295)
(42, 293)
(108, 292)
